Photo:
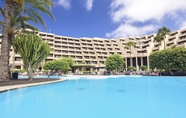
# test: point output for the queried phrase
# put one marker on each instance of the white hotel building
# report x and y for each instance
(96, 50)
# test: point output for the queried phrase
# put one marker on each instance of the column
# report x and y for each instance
(137, 67)
(126, 62)
(141, 61)
(148, 61)
(22, 67)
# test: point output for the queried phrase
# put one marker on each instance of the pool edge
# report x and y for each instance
(12, 87)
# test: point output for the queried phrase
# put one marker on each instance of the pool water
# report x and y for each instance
(117, 97)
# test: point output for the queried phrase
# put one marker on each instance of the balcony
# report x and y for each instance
(104, 53)
(57, 57)
(145, 45)
(57, 39)
(155, 49)
(57, 52)
(71, 53)
(78, 54)
(100, 42)
(71, 49)
(170, 42)
(98, 53)
(70, 40)
(91, 54)
(49, 57)
(57, 47)
(78, 59)
(169, 46)
(18, 62)
(181, 40)
(107, 42)
(50, 42)
(182, 35)
(88, 59)
(172, 37)
(181, 45)
(57, 44)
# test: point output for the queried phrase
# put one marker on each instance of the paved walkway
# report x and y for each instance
(7, 88)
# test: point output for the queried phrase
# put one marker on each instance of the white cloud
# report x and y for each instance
(183, 25)
(89, 5)
(125, 30)
(146, 12)
(64, 3)
(143, 10)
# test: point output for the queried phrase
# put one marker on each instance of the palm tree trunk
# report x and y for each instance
(5, 48)
(13, 63)
(10, 37)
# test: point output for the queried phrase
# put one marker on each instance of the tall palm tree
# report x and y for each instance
(164, 31)
(19, 24)
(11, 7)
(158, 38)
(129, 45)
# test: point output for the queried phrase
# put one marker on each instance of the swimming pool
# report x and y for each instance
(115, 97)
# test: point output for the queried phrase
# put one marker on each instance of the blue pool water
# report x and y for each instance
(117, 97)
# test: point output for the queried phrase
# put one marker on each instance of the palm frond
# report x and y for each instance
(36, 17)
(2, 12)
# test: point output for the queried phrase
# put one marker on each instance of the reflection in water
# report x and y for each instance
(17, 96)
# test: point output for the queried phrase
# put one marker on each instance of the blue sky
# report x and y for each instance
(114, 18)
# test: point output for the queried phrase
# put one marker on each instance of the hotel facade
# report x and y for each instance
(96, 50)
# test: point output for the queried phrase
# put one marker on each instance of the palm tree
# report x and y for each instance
(27, 7)
(19, 23)
(163, 32)
(158, 38)
(129, 45)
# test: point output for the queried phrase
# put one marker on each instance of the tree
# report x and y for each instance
(158, 38)
(163, 32)
(169, 59)
(57, 65)
(114, 62)
(32, 49)
(11, 7)
(129, 45)
(50, 65)
(69, 60)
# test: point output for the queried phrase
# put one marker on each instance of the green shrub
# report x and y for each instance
(86, 72)
(143, 68)
(21, 70)
(131, 68)
(169, 59)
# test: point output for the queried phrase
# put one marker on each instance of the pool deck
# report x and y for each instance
(7, 88)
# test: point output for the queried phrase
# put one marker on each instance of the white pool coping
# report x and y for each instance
(76, 77)
(11, 87)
